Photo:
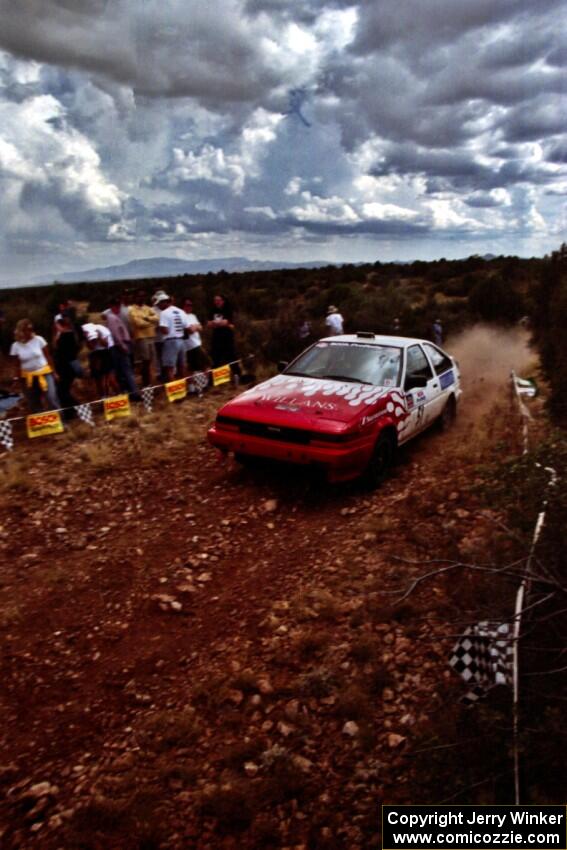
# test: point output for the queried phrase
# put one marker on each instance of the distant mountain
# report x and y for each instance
(170, 267)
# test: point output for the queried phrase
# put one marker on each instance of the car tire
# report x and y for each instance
(448, 414)
(381, 461)
(245, 460)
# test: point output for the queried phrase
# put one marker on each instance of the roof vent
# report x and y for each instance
(365, 334)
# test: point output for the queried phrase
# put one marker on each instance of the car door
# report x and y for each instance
(420, 399)
(444, 369)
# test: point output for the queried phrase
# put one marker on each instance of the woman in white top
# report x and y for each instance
(193, 343)
(36, 371)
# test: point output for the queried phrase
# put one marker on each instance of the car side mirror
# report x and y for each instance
(413, 382)
(282, 364)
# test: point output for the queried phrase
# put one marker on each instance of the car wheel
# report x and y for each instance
(381, 461)
(244, 459)
(449, 414)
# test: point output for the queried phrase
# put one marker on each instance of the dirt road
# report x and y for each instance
(195, 655)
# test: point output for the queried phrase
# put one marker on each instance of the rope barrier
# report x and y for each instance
(524, 588)
(6, 437)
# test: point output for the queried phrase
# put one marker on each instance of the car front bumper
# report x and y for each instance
(341, 460)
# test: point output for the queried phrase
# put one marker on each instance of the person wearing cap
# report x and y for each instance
(143, 321)
(172, 325)
(334, 321)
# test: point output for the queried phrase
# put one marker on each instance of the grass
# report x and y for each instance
(14, 477)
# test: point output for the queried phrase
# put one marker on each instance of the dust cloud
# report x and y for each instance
(486, 356)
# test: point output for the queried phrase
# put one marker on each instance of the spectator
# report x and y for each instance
(334, 321)
(144, 321)
(221, 323)
(172, 325)
(159, 341)
(123, 312)
(100, 344)
(36, 371)
(396, 327)
(193, 343)
(437, 332)
(304, 331)
(122, 349)
(66, 354)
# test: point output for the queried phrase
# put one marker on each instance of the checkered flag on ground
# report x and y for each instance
(483, 658)
(6, 436)
(85, 414)
(200, 381)
(148, 398)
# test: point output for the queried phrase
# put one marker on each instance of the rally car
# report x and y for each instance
(346, 403)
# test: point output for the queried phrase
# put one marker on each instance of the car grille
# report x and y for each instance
(300, 436)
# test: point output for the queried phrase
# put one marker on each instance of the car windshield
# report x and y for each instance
(350, 361)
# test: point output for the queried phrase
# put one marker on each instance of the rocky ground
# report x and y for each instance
(200, 656)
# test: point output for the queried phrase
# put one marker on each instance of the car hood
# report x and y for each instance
(303, 401)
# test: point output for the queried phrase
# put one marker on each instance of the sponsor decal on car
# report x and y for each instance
(447, 379)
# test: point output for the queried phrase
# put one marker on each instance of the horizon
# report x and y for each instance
(76, 279)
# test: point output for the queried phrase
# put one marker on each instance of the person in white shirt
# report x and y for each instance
(36, 371)
(100, 344)
(193, 343)
(172, 325)
(334, 321)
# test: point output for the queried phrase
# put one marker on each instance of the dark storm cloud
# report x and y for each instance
(483, 200)
(70, 205)
(557, 152)
(458, 170)
(420, 25)
(155, 48)
(545, 117)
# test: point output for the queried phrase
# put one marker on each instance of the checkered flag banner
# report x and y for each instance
(85, 414)
(200, 381)
(6, 436)
(483, 658)
(148, 398)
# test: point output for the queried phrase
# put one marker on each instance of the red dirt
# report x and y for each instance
(282, 584)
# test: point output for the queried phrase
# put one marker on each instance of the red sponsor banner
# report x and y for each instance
(44, 424)
(176, 390)
(116, 407)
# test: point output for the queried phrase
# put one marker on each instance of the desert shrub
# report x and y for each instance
(548, 316)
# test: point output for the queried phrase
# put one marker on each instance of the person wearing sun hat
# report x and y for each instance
(334, 321)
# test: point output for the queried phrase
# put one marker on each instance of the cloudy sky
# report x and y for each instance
(279, 129)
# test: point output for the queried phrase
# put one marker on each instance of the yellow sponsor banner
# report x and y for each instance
(116, 407)
(175, 390)
(221, 375)
(44, 424)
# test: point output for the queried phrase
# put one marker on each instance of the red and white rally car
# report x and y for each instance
(345, 404)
